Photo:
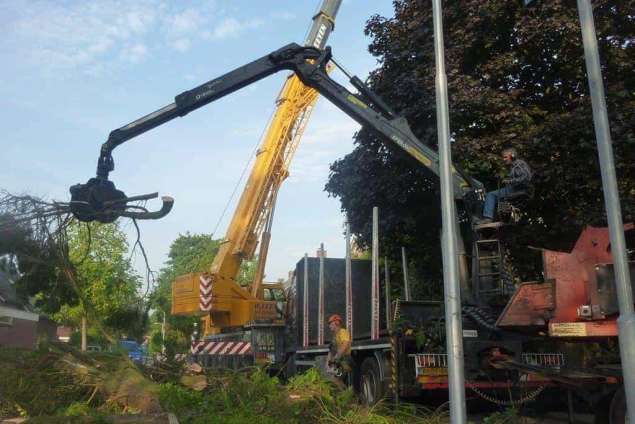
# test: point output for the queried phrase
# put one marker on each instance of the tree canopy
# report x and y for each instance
(105, 278)
(516, 77)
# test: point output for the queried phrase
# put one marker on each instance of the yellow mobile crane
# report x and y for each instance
(222, 303)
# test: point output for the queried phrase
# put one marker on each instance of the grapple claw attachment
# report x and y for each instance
(99, 200)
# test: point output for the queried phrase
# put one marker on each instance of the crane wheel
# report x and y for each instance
(617, 410)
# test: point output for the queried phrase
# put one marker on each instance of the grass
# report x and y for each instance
(63, 385)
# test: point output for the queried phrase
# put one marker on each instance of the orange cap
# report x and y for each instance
(335, 317)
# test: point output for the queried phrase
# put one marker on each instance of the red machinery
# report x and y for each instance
(578, 297)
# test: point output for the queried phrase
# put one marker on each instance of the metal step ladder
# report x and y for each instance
(487, 268)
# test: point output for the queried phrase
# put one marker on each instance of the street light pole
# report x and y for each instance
(451, 287)
(626, 320)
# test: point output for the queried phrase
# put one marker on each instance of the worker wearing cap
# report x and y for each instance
(340, 351)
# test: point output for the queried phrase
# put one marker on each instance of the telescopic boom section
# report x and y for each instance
(253, 217)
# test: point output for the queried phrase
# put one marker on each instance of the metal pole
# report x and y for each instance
(163, 334)
(452, 291)
(84, 337)
(349, 283)
(404, 264)
(374, 323)
(320, 340)
(626, 320)
(305, 303)
(387, 291)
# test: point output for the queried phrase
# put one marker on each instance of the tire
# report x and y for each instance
(371, 389)
(617, 410)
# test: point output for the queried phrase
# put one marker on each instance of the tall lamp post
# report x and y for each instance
(451, 287)
(626, 320)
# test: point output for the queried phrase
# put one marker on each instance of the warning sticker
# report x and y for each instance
(567, 329)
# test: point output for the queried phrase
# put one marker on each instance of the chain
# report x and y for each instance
(514, 402)
(397, 313)
(481, 317)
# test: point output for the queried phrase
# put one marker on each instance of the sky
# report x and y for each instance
(72, 71)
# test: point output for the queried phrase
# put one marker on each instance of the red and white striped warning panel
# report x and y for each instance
(205, 291)
(221, 348)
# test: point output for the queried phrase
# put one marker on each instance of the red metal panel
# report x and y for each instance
(573, 277)
(531, 305)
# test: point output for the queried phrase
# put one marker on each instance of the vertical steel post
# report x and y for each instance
(163, 334)
(305, 303)
(374, 323)
(451, 284)
(404, 264)
(387, 292)
(349, 284)
(626, 320)
(320, 336)
(84, 337)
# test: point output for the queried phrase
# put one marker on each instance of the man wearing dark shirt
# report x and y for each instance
(517, 180)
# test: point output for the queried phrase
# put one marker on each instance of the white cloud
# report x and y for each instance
(187, 21)
(134, 53)
(62, 35)
(181, 27)
(232, 27)
(93, 37)
(181, 44)
(282, 15)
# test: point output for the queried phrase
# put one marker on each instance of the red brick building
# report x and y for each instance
(19, 325)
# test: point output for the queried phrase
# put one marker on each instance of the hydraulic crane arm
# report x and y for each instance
(309, 64)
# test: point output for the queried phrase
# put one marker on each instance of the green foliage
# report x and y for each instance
(247, 272)
(311, 383)
(77, 409)
(516, 77)
(231, 397)
(104, 272)
(105, 279)
(31, 385)
(508, 416)
(34, 256)
(188, 253)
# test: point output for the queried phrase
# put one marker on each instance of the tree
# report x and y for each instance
(33, 256)
(106, 280)
(516, 78)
